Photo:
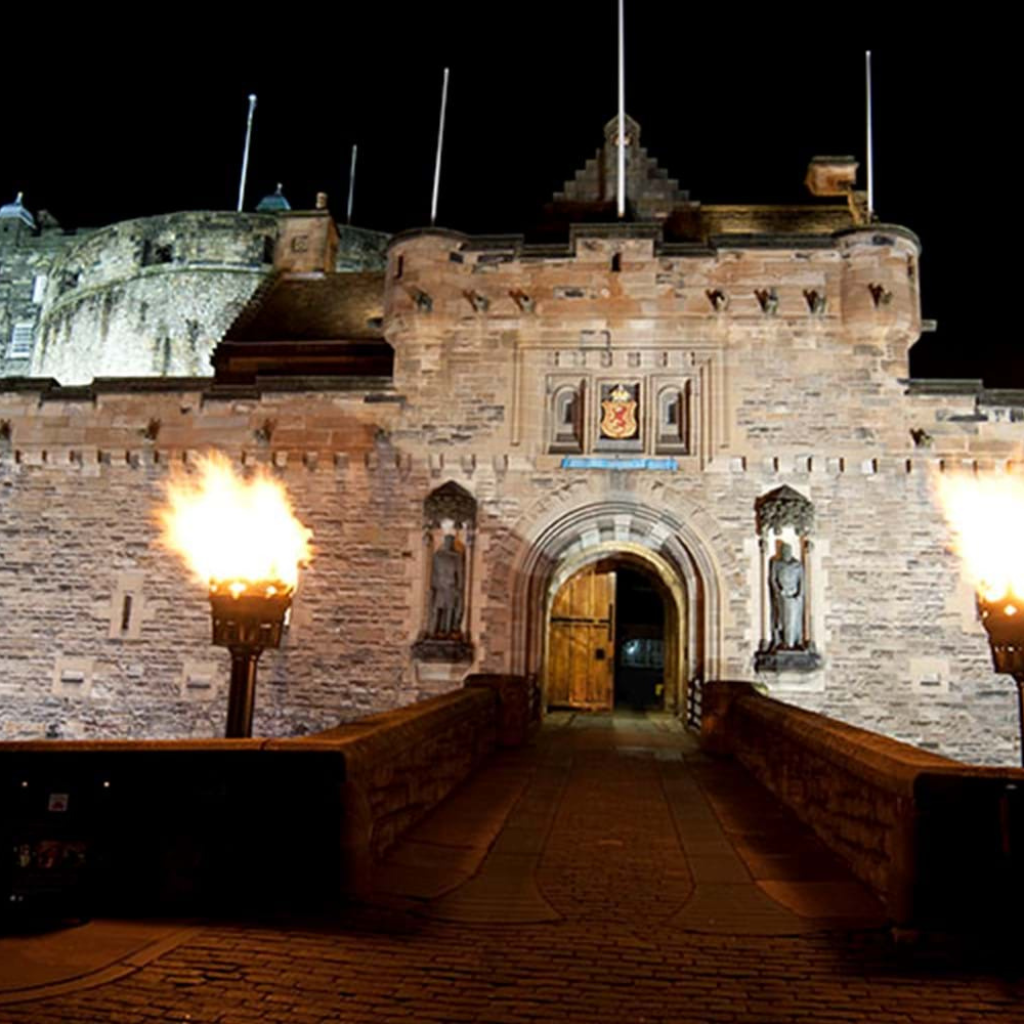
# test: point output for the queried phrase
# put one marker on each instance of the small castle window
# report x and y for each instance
(153, 254)
(617, 263)
(673, 418)
(567, 419)
(22, 340)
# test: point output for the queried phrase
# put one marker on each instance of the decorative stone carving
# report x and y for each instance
(452, 502)
(718, 299)
(781, 508)
(817, 302)
(522, 300)
(768, 300)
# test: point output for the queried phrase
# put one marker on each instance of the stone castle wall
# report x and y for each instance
(904, 652)
(796, 396)
(146, 297)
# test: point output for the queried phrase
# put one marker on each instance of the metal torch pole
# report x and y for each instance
(242, 695)
(1018, 678)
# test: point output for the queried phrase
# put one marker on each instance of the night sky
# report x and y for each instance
(110, 120)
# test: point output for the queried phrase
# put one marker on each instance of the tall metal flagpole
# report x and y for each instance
(351, 183)
(440, 143)
(621, 176)
(245, 152)
(871, 148)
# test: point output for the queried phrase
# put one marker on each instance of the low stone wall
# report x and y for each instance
(401, 764)
(149, 826)
(942, 843)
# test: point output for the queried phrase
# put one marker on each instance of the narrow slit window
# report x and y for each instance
(126, 613)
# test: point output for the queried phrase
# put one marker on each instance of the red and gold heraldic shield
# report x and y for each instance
(619, 420)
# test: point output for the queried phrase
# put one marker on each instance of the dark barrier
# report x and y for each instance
(143, 828)
(239, 826)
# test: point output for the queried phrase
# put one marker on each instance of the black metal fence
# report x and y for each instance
(694, 696)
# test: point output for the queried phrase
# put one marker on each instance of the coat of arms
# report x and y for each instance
(619, 420)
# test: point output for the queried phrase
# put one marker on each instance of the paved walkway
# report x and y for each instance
(608, 873)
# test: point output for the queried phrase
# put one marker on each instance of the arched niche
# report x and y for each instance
(785, 528)
(449, 536)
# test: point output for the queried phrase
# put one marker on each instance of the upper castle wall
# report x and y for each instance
(150, 296)
(146, 297)
(787, 343)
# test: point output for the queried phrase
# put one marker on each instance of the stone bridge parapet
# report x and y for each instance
(942, 843)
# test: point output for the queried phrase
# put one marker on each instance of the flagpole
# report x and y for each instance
(245, 152)
(440, 143)
(351, 183)
(871, 148)
(621, 175)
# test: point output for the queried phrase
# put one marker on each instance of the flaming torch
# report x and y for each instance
(987, 515)
(242, 540)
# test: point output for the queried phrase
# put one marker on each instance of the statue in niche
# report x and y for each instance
(786, 586)
(787, 638)
(447, 583)
(449, 529)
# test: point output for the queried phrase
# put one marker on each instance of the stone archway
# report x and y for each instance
(665, 545)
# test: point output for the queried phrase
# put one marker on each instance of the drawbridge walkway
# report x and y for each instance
(619, 818)
(609, 872)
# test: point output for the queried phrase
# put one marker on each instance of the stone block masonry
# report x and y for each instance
(938, 841)
(503, 356)
(151, 296)
(80, 482)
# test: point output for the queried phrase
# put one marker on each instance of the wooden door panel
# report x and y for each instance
(581, 629)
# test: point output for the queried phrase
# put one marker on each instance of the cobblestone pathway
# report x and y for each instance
(631, 882)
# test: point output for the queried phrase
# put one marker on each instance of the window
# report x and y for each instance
(567, 419)
(22, 340)
(38, 289)
(673, 418)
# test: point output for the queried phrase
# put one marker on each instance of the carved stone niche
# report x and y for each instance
(449, 527)
(785, 521)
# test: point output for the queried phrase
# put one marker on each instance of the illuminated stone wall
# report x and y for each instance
(146, 297)
(487, 337)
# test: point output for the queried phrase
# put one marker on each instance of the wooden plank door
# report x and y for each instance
(581, 672)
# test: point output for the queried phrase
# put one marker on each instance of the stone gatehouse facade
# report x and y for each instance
(660, 451)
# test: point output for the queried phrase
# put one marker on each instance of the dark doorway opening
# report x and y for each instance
(639, 641)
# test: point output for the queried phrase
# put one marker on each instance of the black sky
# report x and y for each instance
(109, 117)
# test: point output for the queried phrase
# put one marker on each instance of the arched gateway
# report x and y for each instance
(573, 571)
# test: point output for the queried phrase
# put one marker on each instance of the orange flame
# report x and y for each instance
(986, 514)
(233, 530)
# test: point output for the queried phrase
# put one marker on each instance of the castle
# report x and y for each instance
(623, 456)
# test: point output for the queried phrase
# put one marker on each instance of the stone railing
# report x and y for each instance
(940, 842)
(238, 824)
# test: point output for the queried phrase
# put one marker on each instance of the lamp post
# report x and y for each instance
(1003, 619)
(247, 619)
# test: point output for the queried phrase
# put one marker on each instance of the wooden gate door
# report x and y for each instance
(581, 651)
